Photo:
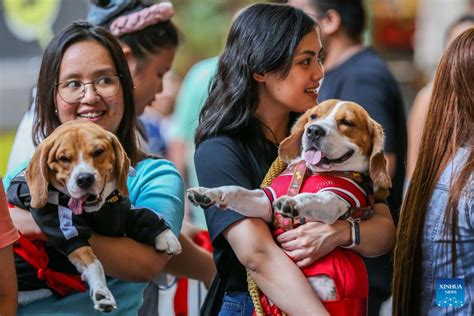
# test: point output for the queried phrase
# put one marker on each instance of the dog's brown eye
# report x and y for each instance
(97, 152)
(64, 159)
(346, 122)
(313, 116)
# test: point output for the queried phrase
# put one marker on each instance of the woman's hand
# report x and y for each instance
(25, 224)
(313, 240)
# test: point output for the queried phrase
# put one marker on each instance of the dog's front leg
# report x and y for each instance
(92, 271)
(250, 203)
(324, 206)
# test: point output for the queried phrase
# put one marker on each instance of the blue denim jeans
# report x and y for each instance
(236, 304)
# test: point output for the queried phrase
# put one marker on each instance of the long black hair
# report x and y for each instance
(262, 39)
(46, 119)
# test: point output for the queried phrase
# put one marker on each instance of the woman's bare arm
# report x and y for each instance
(8, 284)
(193, 262)
(378, 234)
(124, 258)
(276, 275)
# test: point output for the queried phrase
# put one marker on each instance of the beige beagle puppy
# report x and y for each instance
(88, 165)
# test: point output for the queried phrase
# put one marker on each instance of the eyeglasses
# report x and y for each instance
(73, 90)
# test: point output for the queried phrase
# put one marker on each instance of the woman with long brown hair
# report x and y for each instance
(435, 232)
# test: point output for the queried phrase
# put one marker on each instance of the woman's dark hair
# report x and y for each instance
(144, 42)
(352, 12)
(262, 39)
(46, 120)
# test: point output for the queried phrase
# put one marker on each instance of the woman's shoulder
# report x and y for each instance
(152, 163)
(454, 167)
(218, 146)
(220, 140)
(153, 170)
(449, 175)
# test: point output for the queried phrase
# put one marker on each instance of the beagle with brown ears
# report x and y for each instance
(336, 168)
(76, 184)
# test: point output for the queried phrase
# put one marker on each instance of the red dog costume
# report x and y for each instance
(345, 267)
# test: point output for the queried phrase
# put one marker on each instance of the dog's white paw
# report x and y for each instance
(287, 206)
(168, 242)
(103, 299)
(205, 197)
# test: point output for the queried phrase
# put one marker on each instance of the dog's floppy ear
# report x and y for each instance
(290, 147)
(37, 174)
(122, 164)
(378, 164)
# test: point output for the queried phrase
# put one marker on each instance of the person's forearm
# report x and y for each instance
(267, 273)
(193, 262)
(377, 235)
(124, 258)
(276, 275)
(25, 224)
(8, 284)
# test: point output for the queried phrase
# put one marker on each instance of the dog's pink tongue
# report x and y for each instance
(313, 156)
(76, 205)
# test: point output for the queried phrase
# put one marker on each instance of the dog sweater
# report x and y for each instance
(345, 267)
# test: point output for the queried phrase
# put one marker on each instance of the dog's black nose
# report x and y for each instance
(85, 180)
(315, 132)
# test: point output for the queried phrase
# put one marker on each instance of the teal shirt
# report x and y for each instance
(156, 185)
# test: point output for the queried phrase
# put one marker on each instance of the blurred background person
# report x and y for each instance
(184, 121)
(156, 117)
(416, 117)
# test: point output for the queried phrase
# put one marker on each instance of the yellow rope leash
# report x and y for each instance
(277, 167)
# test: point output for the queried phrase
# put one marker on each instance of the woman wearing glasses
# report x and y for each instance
(149, 48)
(94, 83)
